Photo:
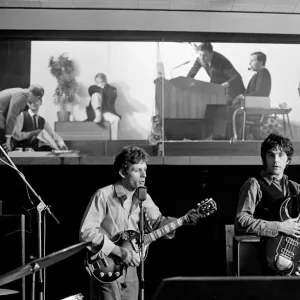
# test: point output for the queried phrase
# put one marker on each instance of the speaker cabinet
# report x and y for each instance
(248, 256)
(12, 251)
(216, 122)
(229, 288)
(179, 129)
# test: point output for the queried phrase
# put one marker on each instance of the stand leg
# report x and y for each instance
(41, 286)
(33, 287)
(142, 279)
(44, 254)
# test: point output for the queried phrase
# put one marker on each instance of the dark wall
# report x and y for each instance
(15, 64)
(195, 251)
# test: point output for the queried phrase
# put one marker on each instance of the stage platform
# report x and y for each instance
(166, 153)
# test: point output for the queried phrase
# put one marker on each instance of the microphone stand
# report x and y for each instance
(142, 249)
(41, 207)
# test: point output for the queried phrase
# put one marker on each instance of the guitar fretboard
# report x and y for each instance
(156, 234)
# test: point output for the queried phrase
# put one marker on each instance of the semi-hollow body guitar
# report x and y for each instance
(282, 251)
(110, 268)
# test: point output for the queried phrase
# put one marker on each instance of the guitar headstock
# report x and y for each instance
(207, 207)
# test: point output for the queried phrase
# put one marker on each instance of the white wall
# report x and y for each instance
(130, 66)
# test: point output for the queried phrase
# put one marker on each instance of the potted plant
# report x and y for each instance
(65, 71)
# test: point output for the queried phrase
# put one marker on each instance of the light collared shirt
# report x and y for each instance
(20, 135)
(249, 198)
(106, 216)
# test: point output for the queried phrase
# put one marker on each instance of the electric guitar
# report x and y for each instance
(110, 268)
(282, 251)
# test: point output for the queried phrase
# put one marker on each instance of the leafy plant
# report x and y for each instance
(65, 70)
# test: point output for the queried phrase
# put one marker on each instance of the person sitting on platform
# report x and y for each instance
(261, 197)
(219, 69)
(29, 125)
(258, 86)
(12, 102)
(260, 83)
(102, 105)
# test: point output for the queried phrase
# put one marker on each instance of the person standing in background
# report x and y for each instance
(219, 69)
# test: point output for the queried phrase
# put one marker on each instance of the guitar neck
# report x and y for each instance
(162, 231)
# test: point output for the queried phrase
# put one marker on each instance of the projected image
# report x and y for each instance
(167, 91)
(113, 84)
(210, 81)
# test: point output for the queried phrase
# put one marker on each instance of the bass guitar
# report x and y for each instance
(282, 251)
(110, 268)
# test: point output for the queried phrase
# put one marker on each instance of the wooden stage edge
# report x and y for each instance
(153, 160)
(175, 153)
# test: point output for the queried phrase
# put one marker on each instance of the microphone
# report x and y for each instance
(185, 63)
(142, 193)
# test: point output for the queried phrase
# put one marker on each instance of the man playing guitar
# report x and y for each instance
(269, 207)
(114, 209)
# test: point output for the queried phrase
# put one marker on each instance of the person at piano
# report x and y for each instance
(28, 126)
(219, 69)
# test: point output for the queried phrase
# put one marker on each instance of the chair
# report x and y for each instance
(229, 235)
(256, 110)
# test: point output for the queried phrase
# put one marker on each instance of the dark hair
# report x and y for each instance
(274, 141)
(260, 57)
(205, 46)
(37, 90)
(128, 156)
(101, 76)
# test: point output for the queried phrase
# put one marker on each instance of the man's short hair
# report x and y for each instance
(260, 57)
(128, 156)
(102, 76)
(37, 90)
(274, 141)
(205, 46)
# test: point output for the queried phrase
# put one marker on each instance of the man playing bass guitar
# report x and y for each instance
(269, 207)
(114, 209)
